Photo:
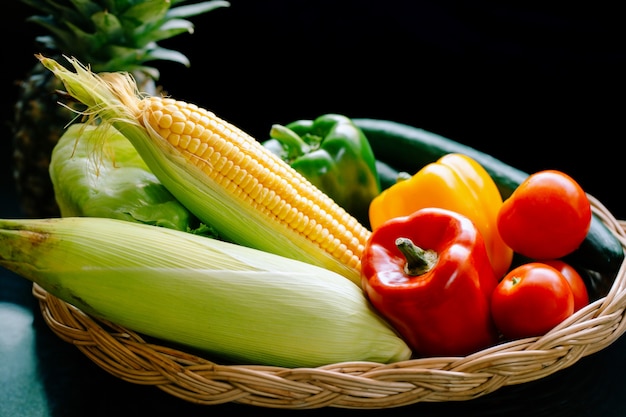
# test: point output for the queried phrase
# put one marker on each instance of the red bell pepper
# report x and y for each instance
(429, 274)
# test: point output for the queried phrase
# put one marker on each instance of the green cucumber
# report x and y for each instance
(407, 148)
(420, 147)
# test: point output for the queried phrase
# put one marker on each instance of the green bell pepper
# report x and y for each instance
(335, 156)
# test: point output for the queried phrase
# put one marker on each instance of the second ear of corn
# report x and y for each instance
(222, 175)
(234, 302)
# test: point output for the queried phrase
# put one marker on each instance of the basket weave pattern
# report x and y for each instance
(126, 355)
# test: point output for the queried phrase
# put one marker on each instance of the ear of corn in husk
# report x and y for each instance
(222, 175)
(96, 172)
(231, 301)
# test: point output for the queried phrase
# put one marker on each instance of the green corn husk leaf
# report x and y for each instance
(233, 302)
(240, 223)
(96, 172)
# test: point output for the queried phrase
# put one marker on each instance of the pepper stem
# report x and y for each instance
(291, 140)
(418, 260)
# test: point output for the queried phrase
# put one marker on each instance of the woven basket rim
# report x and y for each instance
(365, 385)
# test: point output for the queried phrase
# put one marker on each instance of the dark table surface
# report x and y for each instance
(536, 86)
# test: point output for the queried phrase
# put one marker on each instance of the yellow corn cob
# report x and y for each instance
(235, 302)
(223, 175)
(243, 167)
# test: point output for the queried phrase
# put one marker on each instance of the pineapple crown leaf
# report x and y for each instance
(166, 31)
(195, 9)
(146, 14)
(164, 54)
(49, 23)
(128, 58)
(97, 31)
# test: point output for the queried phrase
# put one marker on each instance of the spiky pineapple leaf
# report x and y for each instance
(103, 33)
(108, 36)
(146, 15)
(107, 26)
(195, 9)
(165, 54)
(128, 58)
(60, 38)
(168, 30)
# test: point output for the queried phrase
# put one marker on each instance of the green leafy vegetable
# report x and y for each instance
(96, 172)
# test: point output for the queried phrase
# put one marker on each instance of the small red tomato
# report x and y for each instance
(547, 216)
(576, 282)
(530, 300)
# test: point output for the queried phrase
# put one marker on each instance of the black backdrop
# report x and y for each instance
(536, 86)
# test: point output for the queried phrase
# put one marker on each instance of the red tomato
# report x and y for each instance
(576, 282)
(547, 216)
(530, 300)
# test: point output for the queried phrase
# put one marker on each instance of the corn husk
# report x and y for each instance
(111, 99)
(233, 302)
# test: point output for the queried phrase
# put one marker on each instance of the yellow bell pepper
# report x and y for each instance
(455, 182)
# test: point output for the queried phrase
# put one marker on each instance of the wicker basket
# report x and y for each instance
(365, 385)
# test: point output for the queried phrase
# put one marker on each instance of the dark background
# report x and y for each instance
(536, 86)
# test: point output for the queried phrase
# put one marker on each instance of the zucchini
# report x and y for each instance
(600, 254)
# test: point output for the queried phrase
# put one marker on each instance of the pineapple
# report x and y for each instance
(107, 35)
